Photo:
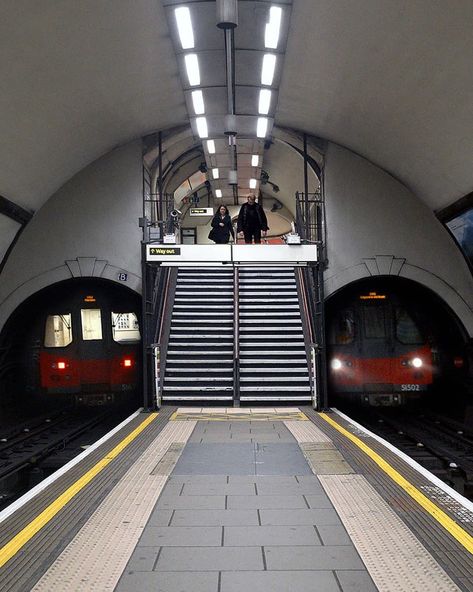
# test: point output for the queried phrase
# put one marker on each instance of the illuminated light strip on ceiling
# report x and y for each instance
(184, 27)
(215, 173)
(211, 146)
(255, 160)
(262, 127)
(268, 68)
(264, 101)
(218, 193)
(271, 32)
(192, 68)
(252, 183)
(198, 102)
(202, 128)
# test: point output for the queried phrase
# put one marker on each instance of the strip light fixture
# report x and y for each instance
(271, 32)
(267, 70)
(264, 101)
(192, 69)
(198, 102)
(202, 128)
(252, 183)
(215, 173)
(184, 27)
(211, 146)
(254, 160)
(218, 193)
(262, 127)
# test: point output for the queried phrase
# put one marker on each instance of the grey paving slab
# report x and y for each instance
(356, 581)
(171, 501)
(215, 518)
(333, 534)
(216, 459)
(160, 517)
(269, 480)
(292, 488)
(168, 582)
(181, 536)
(143, 559)
(295, 517)
(276, 438)
(319, 500)
(324, 558)
(207, 479)
(210, 559)
(219, 489)
(281, 459)
(265, 501)
(281, 581)
(236, 536)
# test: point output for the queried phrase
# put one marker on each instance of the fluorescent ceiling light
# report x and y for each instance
(211, 146)
(264, 101)
(261, 127)
(271, 33)
(215, 174)
(192, 68)
(202, 129)
(198, 101)
(252, 183)
(184, 26)
(254, 160)
(218, 193)
(267, 71)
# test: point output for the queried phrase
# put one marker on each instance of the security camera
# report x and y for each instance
(176, 213)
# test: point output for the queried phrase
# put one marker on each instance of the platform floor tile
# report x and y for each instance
(288, 581)
(210, 559)
(242, 536)
(321, 557)
(169, 582)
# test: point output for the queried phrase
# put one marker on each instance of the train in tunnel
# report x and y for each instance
(78, 342)
(389, 343)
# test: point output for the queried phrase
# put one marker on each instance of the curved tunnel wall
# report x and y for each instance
(376, 226)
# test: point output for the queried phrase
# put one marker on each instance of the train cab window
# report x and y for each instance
(342, 330)
(407, 331)
(374, 321)
(91, 324)
(125, 328)
(58, 331)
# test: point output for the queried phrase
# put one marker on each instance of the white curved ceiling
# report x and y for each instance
(393, 81)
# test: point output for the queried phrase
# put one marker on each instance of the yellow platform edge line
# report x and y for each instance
(9, 550)
(454, 529)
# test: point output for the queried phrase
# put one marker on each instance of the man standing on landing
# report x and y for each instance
(251, 221)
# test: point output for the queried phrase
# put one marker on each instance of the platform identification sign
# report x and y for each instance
(201, 212)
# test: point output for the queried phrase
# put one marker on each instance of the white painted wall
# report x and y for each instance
(377, 226)
(93, 217)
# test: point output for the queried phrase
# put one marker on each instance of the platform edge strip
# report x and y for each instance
(9, 550)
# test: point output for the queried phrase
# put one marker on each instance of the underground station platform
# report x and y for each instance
(230, 499)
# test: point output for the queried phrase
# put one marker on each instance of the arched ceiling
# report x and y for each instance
(392, 80)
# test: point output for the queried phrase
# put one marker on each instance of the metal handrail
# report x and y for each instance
(236, 340)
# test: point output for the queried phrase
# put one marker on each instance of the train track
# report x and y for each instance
(440, 444)
(39, 440)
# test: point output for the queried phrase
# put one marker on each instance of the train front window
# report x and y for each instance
(374, 322)
(342, 330)
(407, 331)
(125, 328)
(58, 331)
(91, 324)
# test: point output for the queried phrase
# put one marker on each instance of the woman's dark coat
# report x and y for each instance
(221, 234)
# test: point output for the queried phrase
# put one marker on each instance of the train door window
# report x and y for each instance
(125, 328)
(374, 322)
(91, 324)
(407, 331)
(58, 331)
(342, 330)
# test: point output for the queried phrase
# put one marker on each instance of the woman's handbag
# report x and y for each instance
(212, 235)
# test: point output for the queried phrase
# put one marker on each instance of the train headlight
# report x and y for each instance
(416, 362)
(336, 364)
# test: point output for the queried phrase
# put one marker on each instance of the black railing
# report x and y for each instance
(236, 340)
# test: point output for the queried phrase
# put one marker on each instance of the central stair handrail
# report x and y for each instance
(236, 340)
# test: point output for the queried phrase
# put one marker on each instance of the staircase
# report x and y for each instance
(273, 360)
(199, 363)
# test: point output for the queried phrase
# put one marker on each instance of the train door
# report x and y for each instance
(376, 345)
(94, 349)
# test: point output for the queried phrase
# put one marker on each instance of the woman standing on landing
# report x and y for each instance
(222, 226)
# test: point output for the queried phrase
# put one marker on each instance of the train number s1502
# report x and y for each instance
(410, 387)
